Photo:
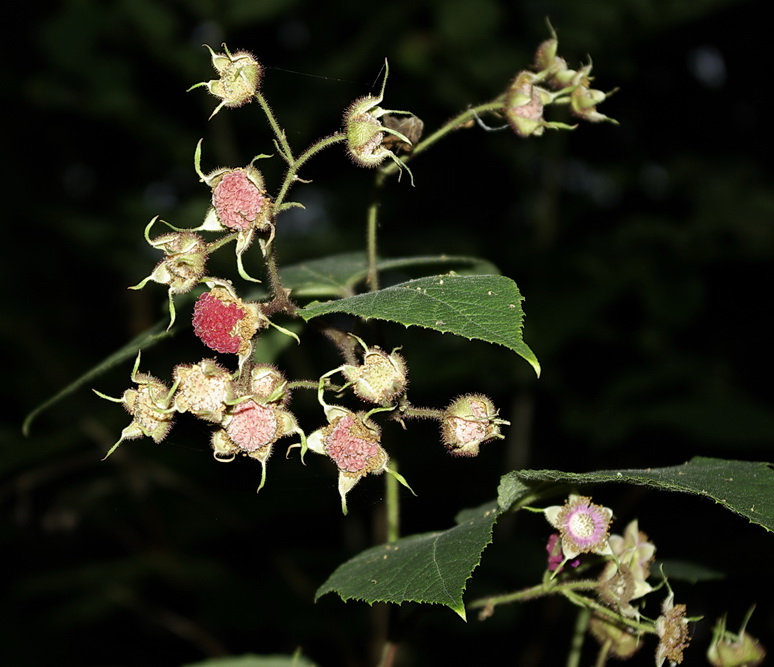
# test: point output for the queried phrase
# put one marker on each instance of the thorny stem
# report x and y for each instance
(282, 301)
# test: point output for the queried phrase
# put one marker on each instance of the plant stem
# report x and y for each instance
(294, 166)
(455, 123)
(287, 153)
(550, 587)
(372, 224)
(392, 504)
(579, 632)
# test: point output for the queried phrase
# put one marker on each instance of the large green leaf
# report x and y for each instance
(431, 568)
(337, 275)
(744, 487)
(486, 308)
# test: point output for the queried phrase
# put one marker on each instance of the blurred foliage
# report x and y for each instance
(642, 251)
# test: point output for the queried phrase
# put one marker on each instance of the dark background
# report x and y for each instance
(642, 250)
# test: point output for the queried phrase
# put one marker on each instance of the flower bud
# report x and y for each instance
(267, 384)
(203, 389)
(224, 323)
(381, 377)
(523, 106)
(583, 104)
(365, 133)
(240, 77)
(729, 649)
(468, 422)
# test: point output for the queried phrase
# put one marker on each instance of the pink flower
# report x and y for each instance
(582, 525)
(555, 556)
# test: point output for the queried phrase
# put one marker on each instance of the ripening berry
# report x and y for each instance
(240, 201)
(353, 442)
(468, 422)
(203, 389)
(353, 445)
(251, 428)
(224, 323)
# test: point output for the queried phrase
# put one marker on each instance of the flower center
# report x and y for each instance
(582, 525)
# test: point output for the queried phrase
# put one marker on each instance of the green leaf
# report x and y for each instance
(145, 340)
(486, 308)
(336, 276)
(744, 487)
(431, 568)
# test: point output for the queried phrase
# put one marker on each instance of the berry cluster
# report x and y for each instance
(249, 406)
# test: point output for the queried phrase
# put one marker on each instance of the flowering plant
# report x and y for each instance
(249, 405)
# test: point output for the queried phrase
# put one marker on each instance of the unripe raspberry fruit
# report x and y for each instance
(240, 77)
(252, 428)
(353, 445)
(468, 422)
(524, 104)
(203, 389)
(224, 322)
(380, 378)
(240, 201)
(352, 441)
